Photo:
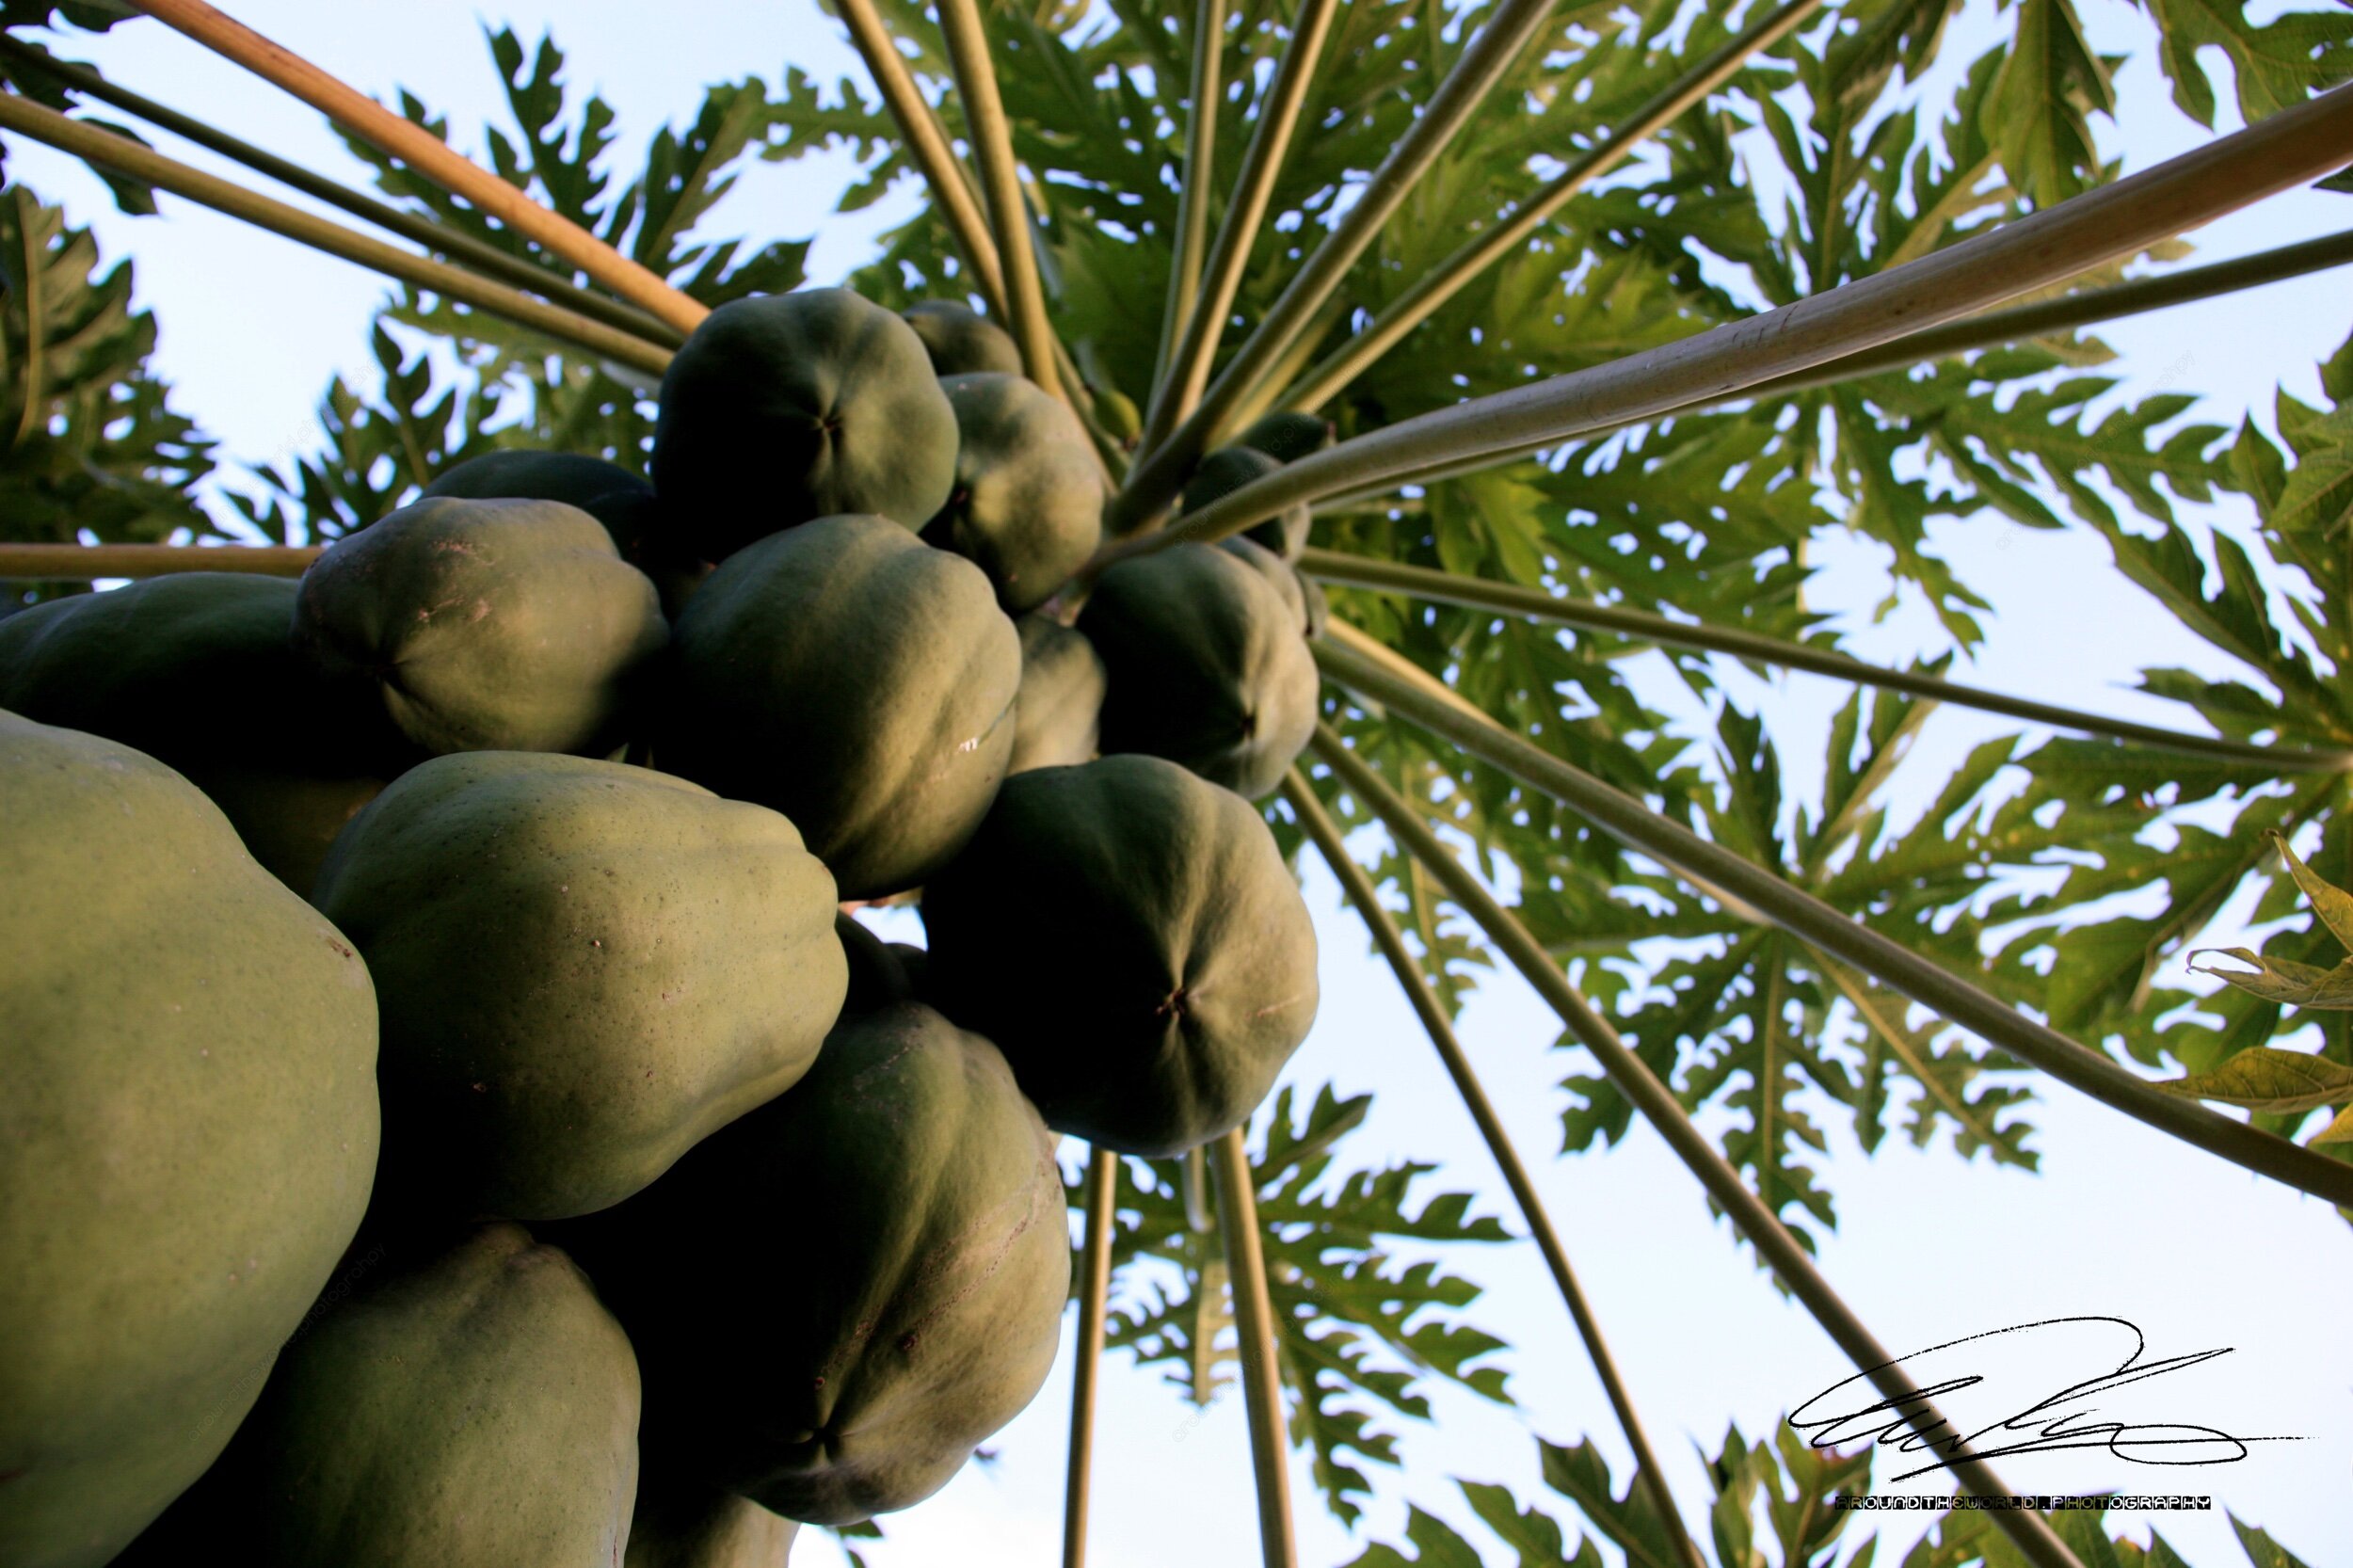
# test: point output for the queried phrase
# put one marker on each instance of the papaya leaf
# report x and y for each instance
(2285, 980)
(2264, 1078)
(2274, 63)
(2261, 1551)
(2339, 1130)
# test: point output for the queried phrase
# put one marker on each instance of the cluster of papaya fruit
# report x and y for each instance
(451, 1114)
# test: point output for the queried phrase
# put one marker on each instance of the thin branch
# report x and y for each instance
(456, 247)
(1479, 594)
(1364, 666)
(1367, 900)
(1193, 197)
(1253, 1327)
(1447, 278)
(2287, 150)
(1509, 27)
(119, 153)
(428, 156)
(1000, 187)
(1094, 1278)
(1774, 1244)
(87, 563)
(927, 143)
(1176, 394)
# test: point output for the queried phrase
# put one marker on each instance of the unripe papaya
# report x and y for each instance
(1156, 913)
(1229, 468)
(198, 670)
(856, 680)
(838, 1296)
(621, 500)
(487, 625)
(1058, 714)
(784, 408)
(187, 1133)
(961, 341)
(877, 978)
(1207, 665)
(583, 970)
(700, 1526)
(1028, 505)
(476, 1409)
(1287, 435)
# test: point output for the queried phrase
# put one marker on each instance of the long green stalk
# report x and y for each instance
(88, 142)
(1509, 27)
(1366, 667)
(1476, 255)
(1176, 388)
(1367, 900)
(927, 143)
(2290, 149)
(1253, 1327)
(1479, 594)
(1000, 188)
(1192, 199)
(430, 158)
(453, 246)
(1094, 1277)
(1779, 1249)
(2017, 324)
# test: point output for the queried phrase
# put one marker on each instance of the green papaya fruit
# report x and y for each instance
(1286, 582)
(1287, 435)
(1206, 664)
(1058, 712)
(621, 500)
(606, 491)
(1120, 417)
(1028, 505)
(199, 671)
(487, 625)
(1229, 468)
(583, 968)
(784, 408)
(188, 1134)
(961, 341)
(838, 1296)
(1155, 910)
(700, 1526)
(473, 1408)
(856, 680)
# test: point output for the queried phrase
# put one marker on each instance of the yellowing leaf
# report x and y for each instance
(2332, 903)
(2284, 980)
(2264, 1078)
(2340, 1130)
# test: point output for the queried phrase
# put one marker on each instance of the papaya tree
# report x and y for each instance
(1536, 336)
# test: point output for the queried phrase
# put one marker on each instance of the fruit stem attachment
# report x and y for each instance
(1508, 28)
(1367, 900)
(1512, 229)
(1176, 388)
(429, 156)
(1095, 1279)
(453, 245)
(1364, 666)
(2289, 149)
(1254, 1331)
(1448, 587)
(1775, 1247)
(119, 153)
(926, 142)
(975, 72)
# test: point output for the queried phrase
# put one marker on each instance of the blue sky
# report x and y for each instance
(2119, 1221)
